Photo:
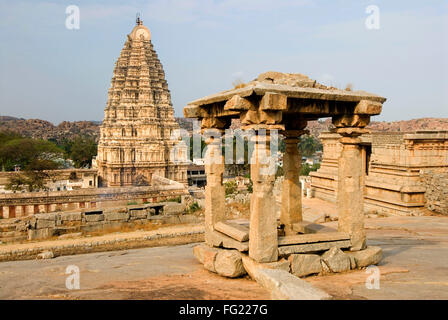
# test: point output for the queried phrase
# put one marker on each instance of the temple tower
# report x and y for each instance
(135, 141)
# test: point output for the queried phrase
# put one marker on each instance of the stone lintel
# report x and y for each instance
(273, 101)
(194, 111)
(239, 103)
(368, 107)
(312, 238)
(313, 247)
(233, 230)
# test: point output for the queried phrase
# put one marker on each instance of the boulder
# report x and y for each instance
(228, 263)
(305, 264)
(335, 260)
(364, 258)
(45, 255)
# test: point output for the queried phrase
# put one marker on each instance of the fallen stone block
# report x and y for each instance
(45, 255)
(206, 255)
(233, 230)
(251, 265)
(281, 284)
(305, 264)
(138, 214)
(364, 258)
(218, 239)
(228, 263)
(335, 260)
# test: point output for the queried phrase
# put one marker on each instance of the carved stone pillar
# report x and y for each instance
(263, 238)
(291, 210)
(350, 197)
(214, 190)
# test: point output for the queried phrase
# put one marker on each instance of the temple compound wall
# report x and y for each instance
(29, 203)
(136, 136)
(393, 164)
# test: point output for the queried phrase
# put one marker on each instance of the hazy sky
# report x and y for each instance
(56, 74)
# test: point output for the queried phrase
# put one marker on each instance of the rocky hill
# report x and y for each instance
(46, 130)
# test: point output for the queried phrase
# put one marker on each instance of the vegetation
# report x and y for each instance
(81, 150)
(308, 145)
(177, 199)
(193, 208)
(231, 187)
(306, 168)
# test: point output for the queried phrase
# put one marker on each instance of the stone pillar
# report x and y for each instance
(263, 236)
(214, 190)
(12, 212)
(291, 211)
(350, 198)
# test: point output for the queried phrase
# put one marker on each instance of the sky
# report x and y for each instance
(53, 73)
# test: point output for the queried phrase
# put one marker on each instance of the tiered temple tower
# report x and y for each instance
(139, 119)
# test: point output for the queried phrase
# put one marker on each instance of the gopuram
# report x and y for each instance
(284, 102)
(136, 134)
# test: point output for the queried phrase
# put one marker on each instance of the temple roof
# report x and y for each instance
(292, 85)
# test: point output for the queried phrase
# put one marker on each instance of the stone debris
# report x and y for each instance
(233, 230)
(45, 255)
(364, 258)
(334, 260)
(305, 264)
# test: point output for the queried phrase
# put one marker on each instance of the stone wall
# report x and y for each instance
(66, 224)
(436, 194)
(28, 203)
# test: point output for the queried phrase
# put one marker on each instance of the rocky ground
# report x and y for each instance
(414, 267)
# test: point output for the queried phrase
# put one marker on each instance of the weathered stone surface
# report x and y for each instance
(251, 265)
(114, 216)
(263, 236)
(94, 217)
(228, 263)
(284, 286)
(45, 255)
(312, 238)
(364, 258)
(336, 260)
(40, 224)
(225, 262)
(233, 230)
(305, 264)
(34, 234)
(71, 216)
(281, 284)
(138, 214)
(173, 208)
(217, 239)
(313, 247)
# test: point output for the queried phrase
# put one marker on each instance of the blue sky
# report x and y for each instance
(56, 74)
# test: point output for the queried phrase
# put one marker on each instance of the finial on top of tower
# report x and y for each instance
(138, 21)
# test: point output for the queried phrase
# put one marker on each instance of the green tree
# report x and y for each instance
(308, 145)
(27, 152)
(82, 150)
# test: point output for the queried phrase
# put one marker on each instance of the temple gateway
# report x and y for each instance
(135, 139)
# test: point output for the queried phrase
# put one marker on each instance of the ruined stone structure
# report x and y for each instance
(135, 140)
(284, 102)
(392, 164)
(29, 203)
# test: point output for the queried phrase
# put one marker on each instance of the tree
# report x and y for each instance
(24, 152)
(82, 150)
(308, 145)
